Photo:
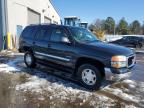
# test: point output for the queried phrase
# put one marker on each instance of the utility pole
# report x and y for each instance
(143, 28)
(114, 29)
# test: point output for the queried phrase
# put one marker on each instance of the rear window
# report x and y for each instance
(29, 32)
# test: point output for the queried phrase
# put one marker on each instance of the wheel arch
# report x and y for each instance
(27, 48)
(84, 60)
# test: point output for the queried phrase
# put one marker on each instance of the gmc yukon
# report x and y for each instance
(76, 51)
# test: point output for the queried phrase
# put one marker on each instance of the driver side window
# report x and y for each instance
(59, 35)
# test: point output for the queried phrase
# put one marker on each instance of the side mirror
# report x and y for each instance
(65, 40)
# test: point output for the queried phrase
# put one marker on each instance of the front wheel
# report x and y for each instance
(29, 60)
(89, 76)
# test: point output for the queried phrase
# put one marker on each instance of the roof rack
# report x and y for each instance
(42, 24)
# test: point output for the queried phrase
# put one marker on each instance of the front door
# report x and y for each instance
(61, 47)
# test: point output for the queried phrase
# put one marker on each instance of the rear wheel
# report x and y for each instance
(29, 60)
(138, 45)
(90, 76)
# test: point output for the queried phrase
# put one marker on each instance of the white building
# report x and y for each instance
(20, 13)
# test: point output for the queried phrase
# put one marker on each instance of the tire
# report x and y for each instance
(89, 77)
(136, 45)
(29, 60)
(140, 45)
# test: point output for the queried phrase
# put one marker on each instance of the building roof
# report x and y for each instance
(72, 17)
(84, 22)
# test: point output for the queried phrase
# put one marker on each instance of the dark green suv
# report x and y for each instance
(77, 52)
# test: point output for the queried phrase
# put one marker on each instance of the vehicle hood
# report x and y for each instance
(111, 49)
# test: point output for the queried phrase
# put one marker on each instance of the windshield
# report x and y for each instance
(125, 38)
(83, 35)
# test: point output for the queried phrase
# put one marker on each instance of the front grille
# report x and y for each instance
(131, 61)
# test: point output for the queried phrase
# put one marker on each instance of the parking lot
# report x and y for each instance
(21, 87)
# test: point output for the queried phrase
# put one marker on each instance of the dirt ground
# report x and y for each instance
(21, 87)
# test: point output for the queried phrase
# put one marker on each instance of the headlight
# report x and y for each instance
(119, 61)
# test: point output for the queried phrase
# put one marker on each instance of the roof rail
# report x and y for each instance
(42, 24)
(47, 24)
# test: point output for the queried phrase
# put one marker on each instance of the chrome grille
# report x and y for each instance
(131, 61)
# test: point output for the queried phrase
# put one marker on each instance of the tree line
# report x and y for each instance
(109, 26)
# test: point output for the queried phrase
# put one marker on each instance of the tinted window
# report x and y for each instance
(134, 38)
(58, 34)
(29, 32)
(125, 38)
(43, 33)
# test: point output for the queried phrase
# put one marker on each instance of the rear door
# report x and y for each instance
(41, 42)
(132, 41)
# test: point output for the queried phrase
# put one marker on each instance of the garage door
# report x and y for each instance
(33, 17)
(47, 20)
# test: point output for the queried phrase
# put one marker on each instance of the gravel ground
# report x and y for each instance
(21, 87)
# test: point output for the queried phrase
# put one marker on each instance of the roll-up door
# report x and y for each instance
(47, 20)
(33, 17)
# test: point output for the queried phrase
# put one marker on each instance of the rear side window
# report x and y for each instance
(29, 32)
(134, 38)
(43, 33)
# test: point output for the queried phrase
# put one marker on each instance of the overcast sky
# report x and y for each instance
(89, 10)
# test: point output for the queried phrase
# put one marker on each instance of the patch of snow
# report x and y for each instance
(122, 95)
(41, 98)
(34, 85)
(37, 84)
(58, 89)
(25, 99)
(61, 89)
(10, 66)
(7, 68)
(6, 51)
(111, 38)
(141, 86)
(140, 51)
(131, 84)
(130, 106)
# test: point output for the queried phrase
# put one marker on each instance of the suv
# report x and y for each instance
(76, 51)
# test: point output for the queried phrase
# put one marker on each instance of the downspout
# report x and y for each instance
(1, 26)
(6, 23)
(3, 22)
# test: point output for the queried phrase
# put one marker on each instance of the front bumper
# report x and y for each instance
(109, 75)
(114, 74)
